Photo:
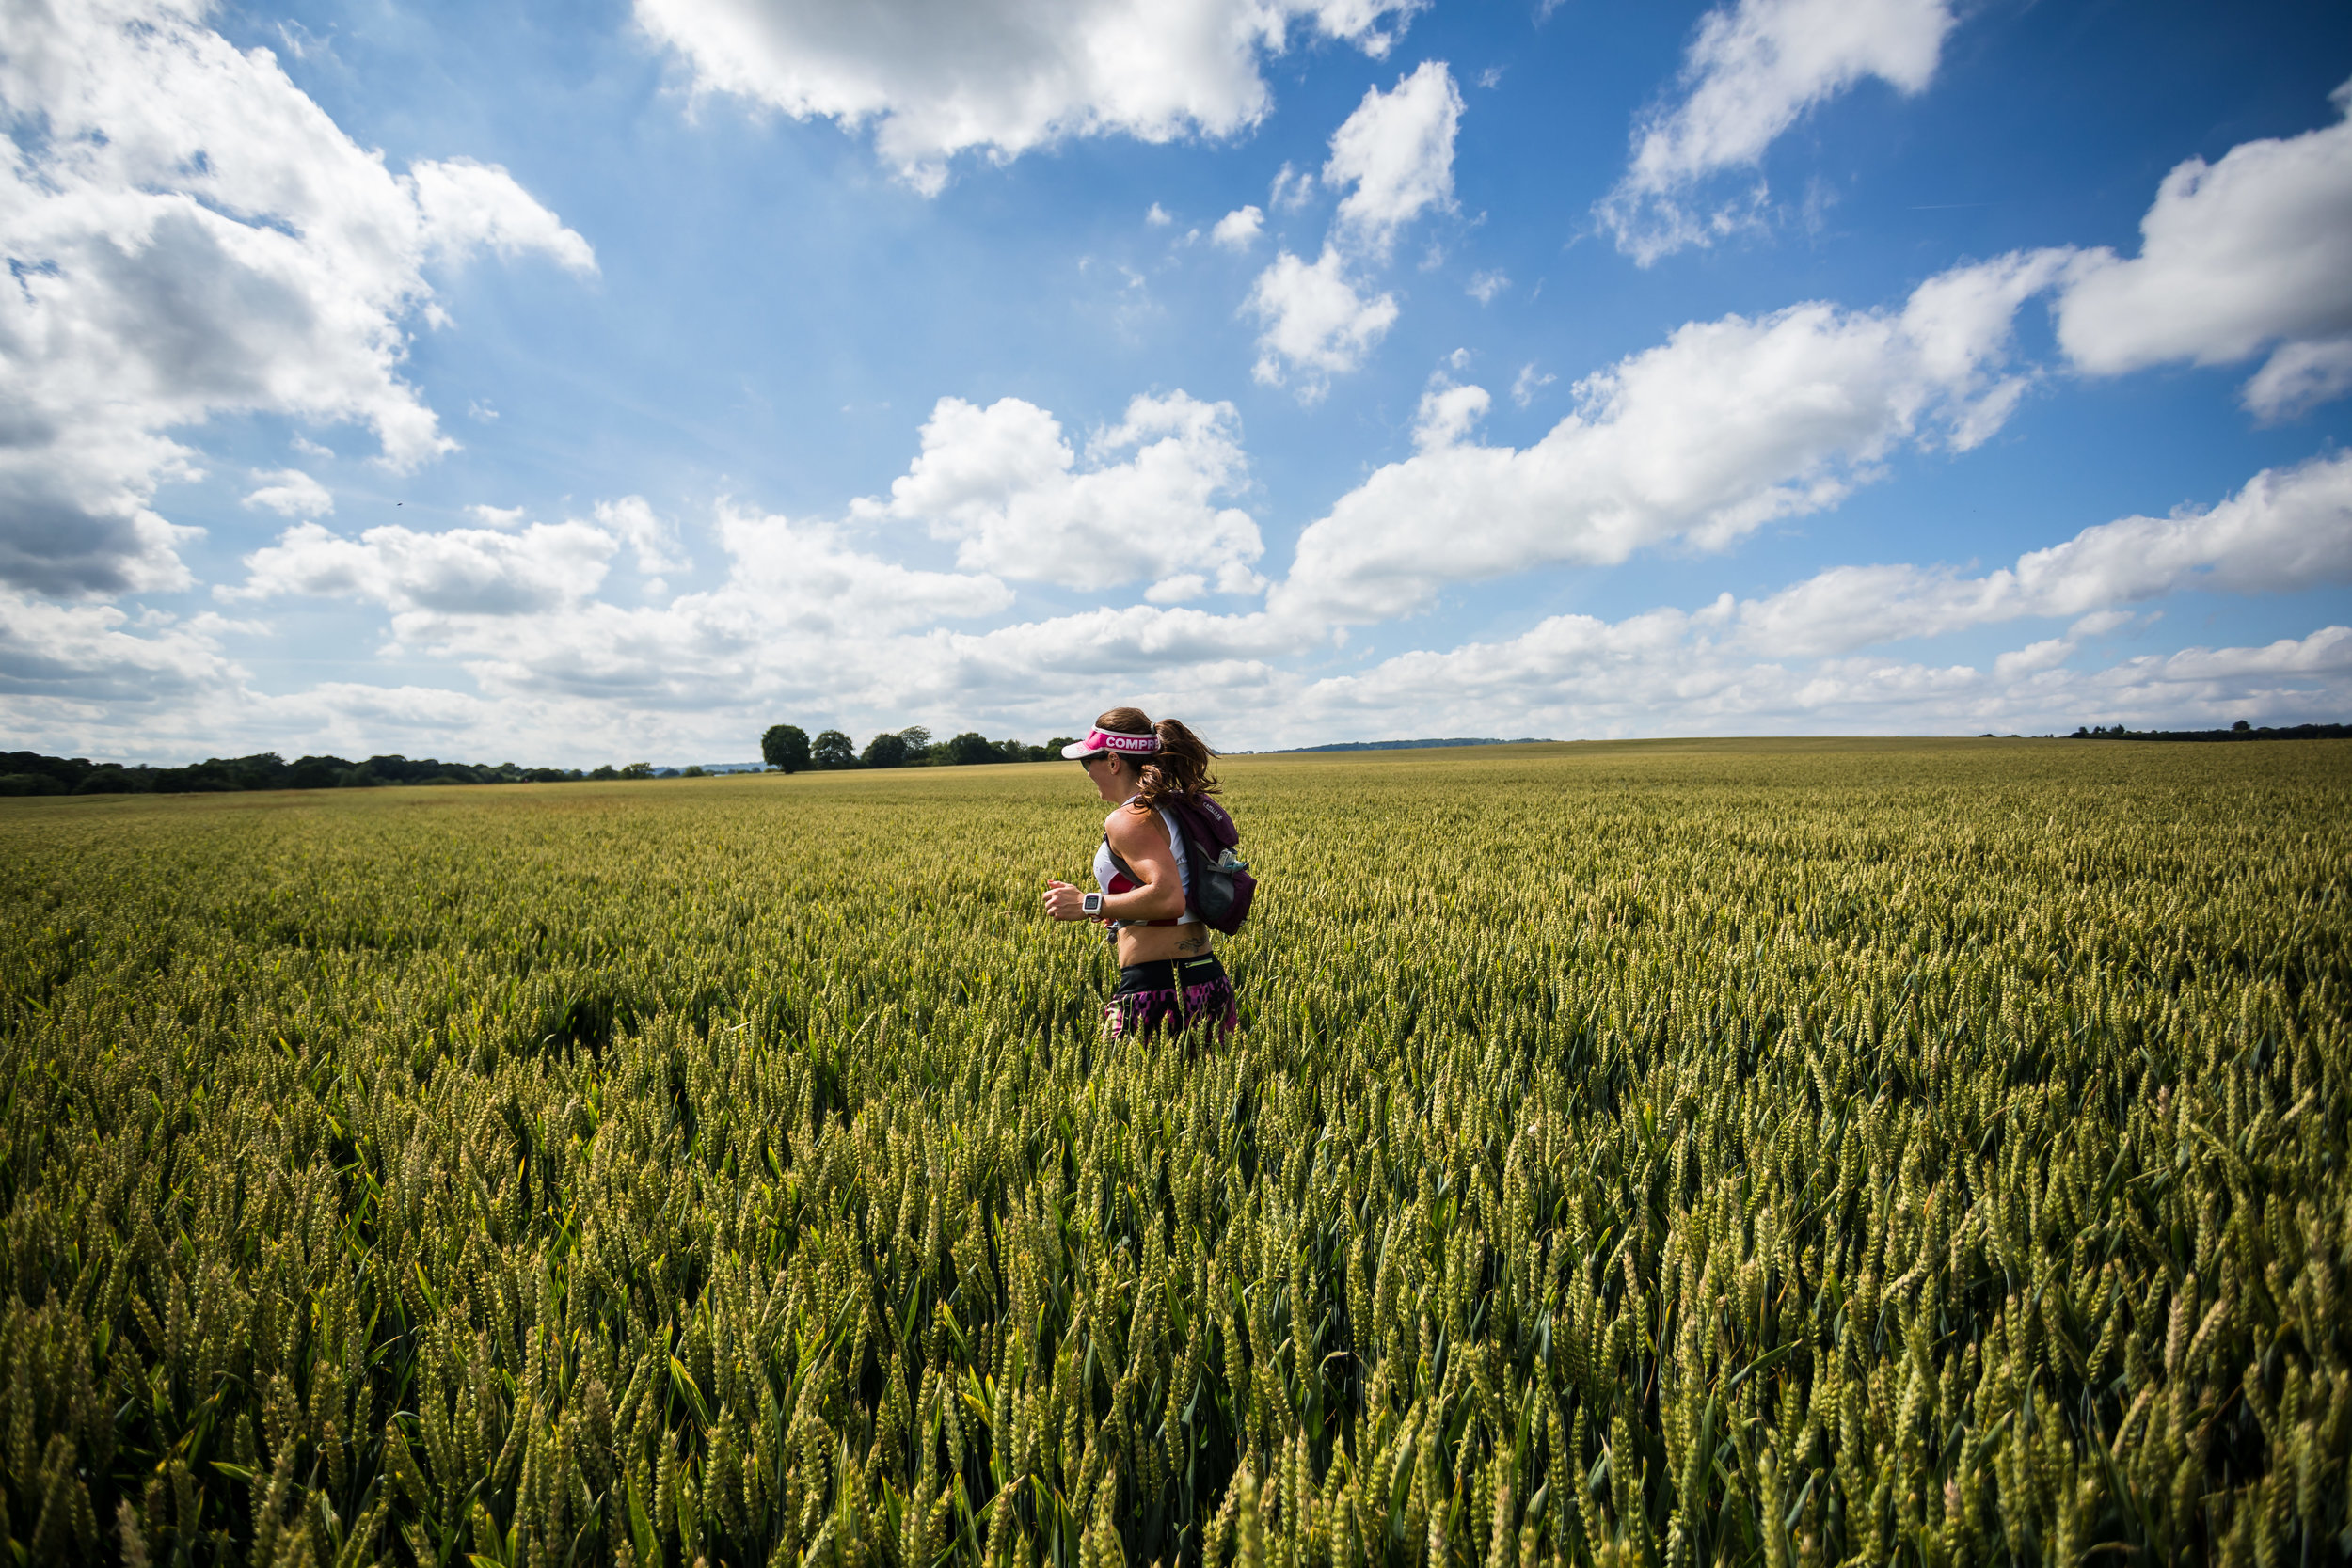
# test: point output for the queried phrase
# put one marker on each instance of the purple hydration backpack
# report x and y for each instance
(1221, 883)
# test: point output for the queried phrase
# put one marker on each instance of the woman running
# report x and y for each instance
(1168, 977)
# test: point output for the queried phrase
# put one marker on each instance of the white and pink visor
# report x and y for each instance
(1099, 742)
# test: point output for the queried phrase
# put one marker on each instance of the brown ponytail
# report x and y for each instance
(1180, 767)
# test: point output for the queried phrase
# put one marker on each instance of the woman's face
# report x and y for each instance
(1112, 778)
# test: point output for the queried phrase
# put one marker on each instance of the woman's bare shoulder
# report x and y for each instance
(1128, 820)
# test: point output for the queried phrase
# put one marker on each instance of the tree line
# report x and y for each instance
(783, 747)
(30, 773)
(2239, 731)
(788, 749)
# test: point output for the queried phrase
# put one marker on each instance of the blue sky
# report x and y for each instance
(577, 384)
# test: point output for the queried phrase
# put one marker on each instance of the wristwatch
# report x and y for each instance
(1091, 904)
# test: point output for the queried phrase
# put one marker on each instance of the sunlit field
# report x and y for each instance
(1929, 1153)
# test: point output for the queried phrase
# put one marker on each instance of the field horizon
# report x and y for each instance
(1729, 745)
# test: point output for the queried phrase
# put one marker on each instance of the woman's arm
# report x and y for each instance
(1141, 840)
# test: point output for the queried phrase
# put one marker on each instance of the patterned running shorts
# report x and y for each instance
(1174, 994)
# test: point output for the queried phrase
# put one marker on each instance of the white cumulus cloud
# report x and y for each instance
(1006, 484)
(2282, 530)
(1001, 77)
(466, 206)
(654, 539)
(1394, 157)
(1728, 425)
(1239, 229)
(801, 615)
(290, 493)
(1753, 70)
(2248, 253)
(2297, 376)
(1448, 413)
(805, 578)
(800, 611)
(1316, 322)
(464, 571)
(64, 659)
(1144, 640)
(190, 235)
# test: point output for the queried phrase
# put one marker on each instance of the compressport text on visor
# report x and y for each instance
(1099, 742)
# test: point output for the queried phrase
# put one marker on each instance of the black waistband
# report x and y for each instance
(1167, 974)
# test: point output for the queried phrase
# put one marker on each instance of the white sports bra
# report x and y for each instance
(1106, 870)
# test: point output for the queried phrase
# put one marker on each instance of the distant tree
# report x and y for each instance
(695, 770)
(2241, 726)
(917, 739)
(831, 749)
(317, 773)
(603, 770)
(885, 751)
(1052, 747)
(27, 766)
(1013, 751)
(784, 746)
(638, 770)
(969, 748)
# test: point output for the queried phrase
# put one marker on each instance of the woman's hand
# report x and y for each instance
(1064, 902)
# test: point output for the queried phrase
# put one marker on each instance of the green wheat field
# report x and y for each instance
(1678, 1154)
